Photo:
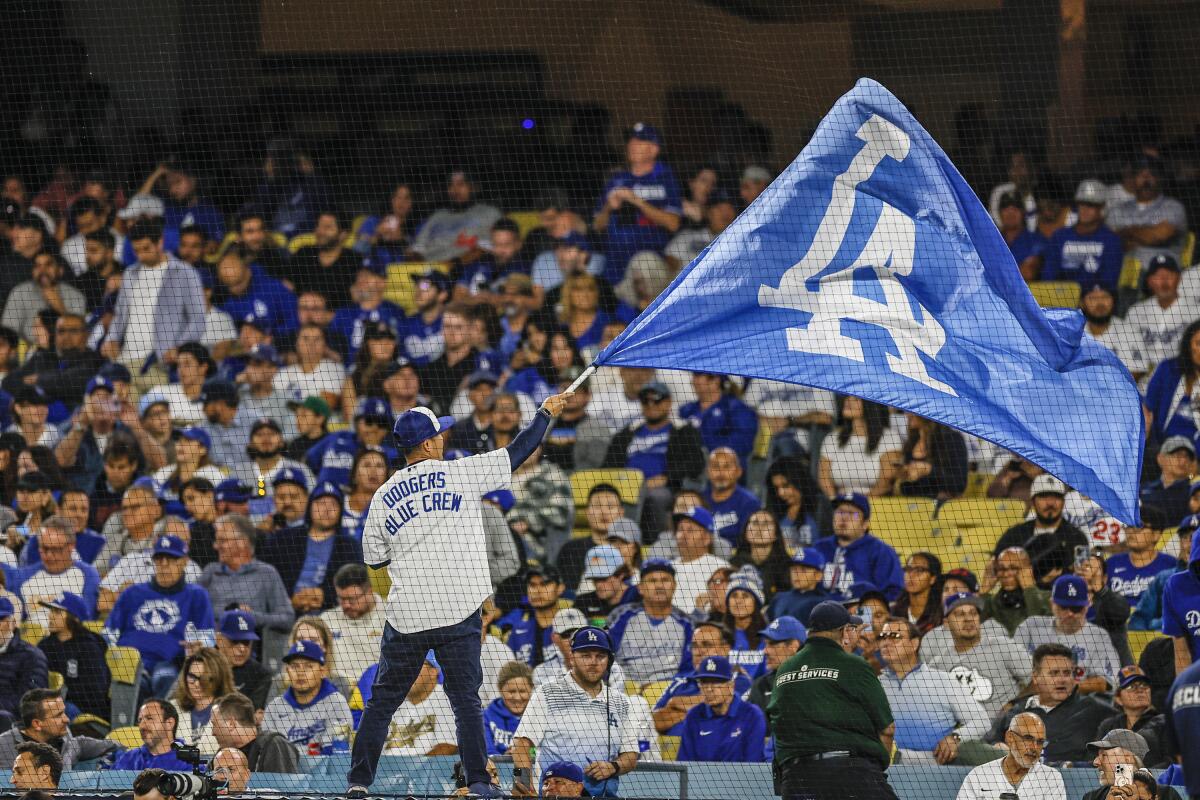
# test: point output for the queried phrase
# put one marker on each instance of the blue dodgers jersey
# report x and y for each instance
(730, 515)
(726, 423)
(265, 297)
(350, 323)
(523, 637)
(499, 725)
(1131, 582)
(154, 622)
(1181, 609)
(628, 230)
(420, 341)
(1087, 259)
(647, 450)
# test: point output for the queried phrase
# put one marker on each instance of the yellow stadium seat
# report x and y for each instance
(94, 625)
(977, 484)
(978, 523)
(1131, 274)
(231, 239)
(1168, 535)
(627, 482)
(651, 692)
(381, 581)
(526, 220)
(309, 239)
(32, 632)
(1138, 641)
(399, 289)
(905, 523)
(669, 746)
(1055, 294)
(356, 225)
(1189, 249)
(762, 442)
(128, 737)
(54, 681)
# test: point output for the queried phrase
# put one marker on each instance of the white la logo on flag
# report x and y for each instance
(829, 296)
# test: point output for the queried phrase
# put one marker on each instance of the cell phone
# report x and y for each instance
(1122, 775)
(868, 616)
(1082, 553)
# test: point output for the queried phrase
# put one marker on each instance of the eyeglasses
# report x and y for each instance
(1072, 609)
(1027, 739)
(851, 513)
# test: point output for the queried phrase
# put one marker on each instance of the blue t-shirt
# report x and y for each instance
(1027, 243)
(1087, 259)
(647, 450)
(1131, 582)
(754, 661)
(316, 560)
(350, 322)
(1172, 415)
(139, 759)
(203, 215)
(595, 332)
(682, 685)
(726, 423)
(628, 230)
(420, 341)
(264, 297)
(521, 624)
(730, 515)
(738, 736)
(793, 603)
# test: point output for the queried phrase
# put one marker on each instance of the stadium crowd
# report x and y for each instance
(197, 411)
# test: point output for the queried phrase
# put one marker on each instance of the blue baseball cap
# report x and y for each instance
(1189, 524)
(98, 384)
(325, 489)
(198, 435)
(809, 557)
(602, 561)
(306, 648)
(237, 626)
(591, 638)
(697, 514)
(260, 318)
(645, 132)
(435, 276)
(785, 628)
(375, 408)
(69, 602)
(6, 608)
(418, 424)
(563, 770)
(216, 389)
(830, 615)
(1069, 591)
(714, 668)
(146, 482)
(503, 498)
(290, 475)
(171, 546)
(860, 591)
(856, 499)
(231, 490)
(264, 352)
(657, 565)
(961, 599)
(574, 239)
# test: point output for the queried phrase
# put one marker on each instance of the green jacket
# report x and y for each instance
(1037, 604)
(826, 699)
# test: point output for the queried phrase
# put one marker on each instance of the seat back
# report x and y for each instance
(627, 482)
(976, 524)
(125, 664)
(1055, 294)
(399, 288)
(906, 523)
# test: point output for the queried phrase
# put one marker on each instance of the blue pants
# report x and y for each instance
(401, 657)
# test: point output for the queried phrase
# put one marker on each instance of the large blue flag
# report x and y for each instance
(869, 267)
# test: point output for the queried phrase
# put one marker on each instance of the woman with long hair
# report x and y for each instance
(191, 461)
(367, 473)
(920, 602)
(538, 380)
(366, 379)
(31, 417)
(862, 452)
(1168, 404)
(933, 461)
(386, 238)
(646, 276)
(581, 311)
(794, 500)
(744, 604)
(11, 445)
(205, 676)
(761, 547)
(78, 655)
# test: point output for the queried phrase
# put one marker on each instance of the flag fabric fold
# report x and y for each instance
(869, 267)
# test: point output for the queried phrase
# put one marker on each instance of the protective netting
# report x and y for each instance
(842, 507)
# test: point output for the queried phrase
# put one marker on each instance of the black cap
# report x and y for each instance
(215, 389)
(654, 389)
(265, 422)
(34, 482)
(547, 572)
(830, 616)
(25, 394)
(1155, 518)
(378, 330)
(1162, 261)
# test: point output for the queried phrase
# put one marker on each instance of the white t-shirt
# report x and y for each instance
(183, 411)
(44, 586)
(218, 327)
(692, 578)
(415, 730)
(297, 384)
(356, 641)
(852, 467)
(779, 399)
(426, 523)
(1156, 330)
(139, 334)
(1126, 343)
(988, 782)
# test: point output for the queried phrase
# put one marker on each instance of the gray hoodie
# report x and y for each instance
(74, 749)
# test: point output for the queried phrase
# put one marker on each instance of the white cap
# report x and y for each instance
(568, 619)
(1092, 192)
(1047, 484)
(142, 205)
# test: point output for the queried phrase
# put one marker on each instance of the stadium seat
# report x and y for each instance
(977, 484)
(1139, 639)
(651, 692)
(1188, 252)
(127, 737)
(32, 632)
(627, 482)
(1055, 294)
(399, 288)
(279, 782)
(54, 681)
(231, 239)
(906, 523)
(309, 239)
(125, 664)
(274, 646)
(94, 625)
(669, 745)
(978, 523)
(1131, 273)
(381, 582)
(526, 220)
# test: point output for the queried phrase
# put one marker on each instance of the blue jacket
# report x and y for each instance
(91, 581)
(730, 515)
(726, 423)
(153, 620)
(22, 667)
(1147, 616)
(139, 759)
(350, 323)
(265, 296)
(1181, 602)
(867, 559)
(1159, 394)
(795, 604)
(522, 627)
(499, 725)
(738, 736)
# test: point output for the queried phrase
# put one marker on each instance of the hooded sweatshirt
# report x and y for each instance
(499, 725)
(1181, 602)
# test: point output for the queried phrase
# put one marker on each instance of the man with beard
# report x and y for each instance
(421, 337)
(442, 377)
(1151, 223)
(266, 466)
(101, 421)
(228, 425)
(1017, 595)
(1048, 538)
(258, 247)
(261, 398)
(1020, 772)
(62, 373)
(327, 266)
(44, 289)
(456, 230)
(309, 579)
(291, 498)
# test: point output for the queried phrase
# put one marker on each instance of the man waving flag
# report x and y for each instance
(869, 267)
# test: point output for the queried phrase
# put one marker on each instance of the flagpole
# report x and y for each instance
(583, 376)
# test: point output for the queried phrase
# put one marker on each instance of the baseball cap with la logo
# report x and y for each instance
(714, 668)
(1069, 591)
(237, 626)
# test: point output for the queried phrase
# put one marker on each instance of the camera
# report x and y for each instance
(195, 785)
